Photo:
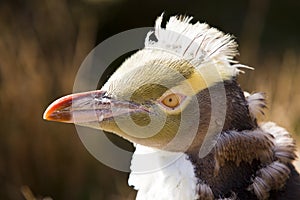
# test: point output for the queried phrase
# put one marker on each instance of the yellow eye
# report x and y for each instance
(171, 100)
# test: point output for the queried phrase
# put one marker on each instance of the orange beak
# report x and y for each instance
(89, 107)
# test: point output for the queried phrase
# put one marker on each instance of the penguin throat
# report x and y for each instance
(160, 174)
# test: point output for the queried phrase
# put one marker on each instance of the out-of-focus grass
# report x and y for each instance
(41, 47)
(279, 78)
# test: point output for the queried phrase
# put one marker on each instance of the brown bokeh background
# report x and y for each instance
(42, 44)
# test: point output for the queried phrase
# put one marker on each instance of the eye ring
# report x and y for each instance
(172, 100)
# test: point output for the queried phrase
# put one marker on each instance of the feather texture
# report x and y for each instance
(256, 103)
(198, 43)
(168, 172)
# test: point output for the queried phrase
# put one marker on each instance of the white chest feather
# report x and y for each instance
(162, 175)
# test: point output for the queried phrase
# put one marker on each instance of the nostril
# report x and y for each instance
(106, 95)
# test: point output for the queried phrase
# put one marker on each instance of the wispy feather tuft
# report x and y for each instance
(197, 43)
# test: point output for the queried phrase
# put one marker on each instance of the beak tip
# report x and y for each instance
(46, 115)
(57, 116)
(54, 111)
(47, 112)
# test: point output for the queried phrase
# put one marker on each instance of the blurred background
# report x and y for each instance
(42, 44)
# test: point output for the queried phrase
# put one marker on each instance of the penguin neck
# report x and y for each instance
(232, 107)
(222, 107)
(237, 111)
(234, 116)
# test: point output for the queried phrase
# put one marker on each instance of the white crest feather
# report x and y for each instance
(198, 43)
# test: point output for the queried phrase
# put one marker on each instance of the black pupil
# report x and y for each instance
(170, 100)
